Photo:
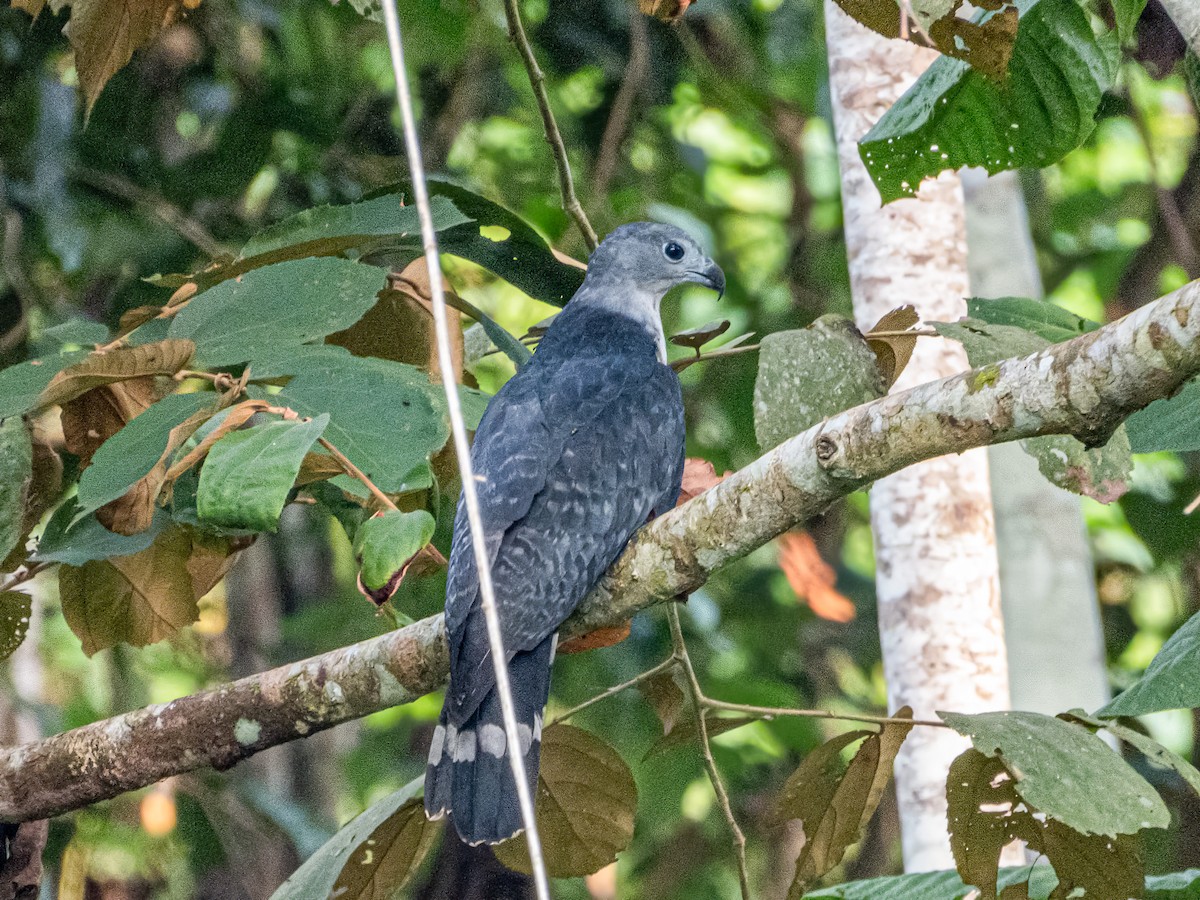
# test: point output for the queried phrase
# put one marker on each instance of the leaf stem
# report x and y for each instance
(699, 702)
(770, 712)
(669, 663)
(24, 574)
(355, 472)
(537, 80)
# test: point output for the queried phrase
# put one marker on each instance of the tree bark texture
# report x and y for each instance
(1047, 579)
(937, 575)
(1084, 387)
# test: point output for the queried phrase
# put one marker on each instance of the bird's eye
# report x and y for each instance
(673, 251)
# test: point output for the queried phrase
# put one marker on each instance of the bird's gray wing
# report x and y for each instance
(571, 464)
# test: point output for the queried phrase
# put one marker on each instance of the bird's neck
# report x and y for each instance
(635, 304)
(586, 327)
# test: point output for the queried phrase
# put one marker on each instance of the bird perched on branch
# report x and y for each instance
(575, 453)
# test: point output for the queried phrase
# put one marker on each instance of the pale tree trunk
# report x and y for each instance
(1047, 581)
(937, 575)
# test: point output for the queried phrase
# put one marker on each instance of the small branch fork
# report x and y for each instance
(537, 80)
(702, 705)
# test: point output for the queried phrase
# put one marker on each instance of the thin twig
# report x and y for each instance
(692, 685)
(908, 332)
(770, 712)
(669, 663)
(24, 574)
(462, 449)
(680, 364)
(617, 127)
(159, 207)
(1186, 252)
(566, 184)
(355, 472)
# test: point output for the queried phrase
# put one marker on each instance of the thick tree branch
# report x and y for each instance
(1084, 387)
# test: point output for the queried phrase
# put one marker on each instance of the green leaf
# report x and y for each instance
(1176, 886)
(1172, 680)
(374, 855)
(474, 404)
(521, 257)
(1065, 771)
(1146, 745)
(270, 308)
(1128, 12)
(684, 734)
(83, 332)
(954, 116)
(15, 609)
(1169, 424)
(385, 416)
(137, 599)
(16, 473)
(130, 454)
(987, 344)
(1042, 318)
(365, 226)
(75, 543)
(809, 374)
(835, 817)
(22, 384)
(586, 800)
(505, 342)
(384, 544)
(248, 474)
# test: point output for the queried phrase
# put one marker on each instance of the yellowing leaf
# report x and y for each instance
(160, 358)
(387, 860)
(104, 34)
(586, 800)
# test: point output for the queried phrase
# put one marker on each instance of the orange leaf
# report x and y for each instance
(812, 578)
(594, 640)
(698, 476)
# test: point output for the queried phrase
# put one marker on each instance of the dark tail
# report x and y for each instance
(470, 775)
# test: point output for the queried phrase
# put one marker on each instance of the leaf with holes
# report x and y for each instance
(954, 116)
(15, 610)
(392, 442)
(586, 800)
(114, 366)
(1172, 680)
(130, 455)
(16, 475)
(807, 375)
(835, 816)
(374, 855)
(509, 247)
(267, 309)
(980, 806)
(248, 474)
(1065, 771)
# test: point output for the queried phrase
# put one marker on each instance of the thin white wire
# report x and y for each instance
(462, 449)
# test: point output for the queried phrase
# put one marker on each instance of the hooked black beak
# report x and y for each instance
(710, 276)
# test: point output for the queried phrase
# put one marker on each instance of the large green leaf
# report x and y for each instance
(1042, 318)
(949, 886)
(269, 308)
(1172, 680)
(586, 800)
(66, 540)
(373, 856)
(1147, 746)
(330, 230)
(811, 373)
(385, 416)
(248, 474)
(132, 452)
(1170, 424)
(16, 472)
(955, 116)
(22, 384)
(1065, 771)
(82, 332)
(514, 251)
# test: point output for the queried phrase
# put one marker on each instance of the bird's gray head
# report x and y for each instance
(652, 258)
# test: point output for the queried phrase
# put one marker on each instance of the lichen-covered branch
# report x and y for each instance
(1084, 387)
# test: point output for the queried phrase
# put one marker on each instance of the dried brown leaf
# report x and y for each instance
(94, 416)
(113, 366)
(387, 860)
(812, 578)
(594, 640)
(698, 476)
(666, 696)
(686, 732)
(665, 10)
(893, 351)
